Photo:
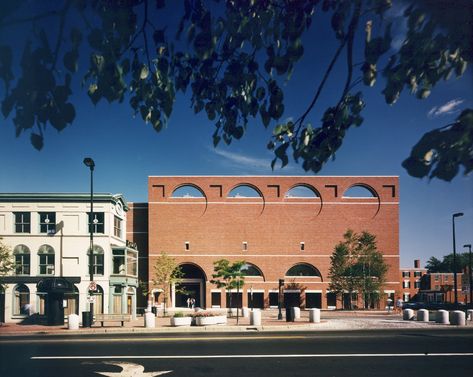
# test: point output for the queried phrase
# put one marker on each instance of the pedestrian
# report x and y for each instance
(193, 302)
(398, 305)
(188, 302)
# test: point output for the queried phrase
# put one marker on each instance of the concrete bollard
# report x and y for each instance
(408, 314)
(150, 320)
(470, 314)
(458, 318)
(442, 317)
(255, 317)
(297, 312)
(423, 315)
(245, 312)
(314, 315)
(73, 322)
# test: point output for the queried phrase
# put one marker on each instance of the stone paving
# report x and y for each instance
(330, 320)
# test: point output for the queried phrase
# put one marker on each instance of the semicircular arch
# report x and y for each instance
(180, 191)
(252, 270)
(302, 190)
(303, 270)
(360, 190)
(192, 271)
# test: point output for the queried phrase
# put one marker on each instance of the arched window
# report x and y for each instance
(97, 259)
(72, 302)
(21, 300)
(302, 191)
(98, 305)
(46, 260)
(251, 270)
(187, 191)
(360, 191)
(22, 260)
(303, 269)
(244, 191)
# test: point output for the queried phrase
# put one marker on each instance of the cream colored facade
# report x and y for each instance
(58, 247)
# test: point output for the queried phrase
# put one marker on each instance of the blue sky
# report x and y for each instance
(126, 151)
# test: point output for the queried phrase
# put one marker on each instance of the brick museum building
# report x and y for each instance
(283, 227)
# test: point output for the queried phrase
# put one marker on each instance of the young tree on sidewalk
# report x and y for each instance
(228, 276)
(167, 273)
(357, 266)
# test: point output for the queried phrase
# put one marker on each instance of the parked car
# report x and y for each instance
(415, 305)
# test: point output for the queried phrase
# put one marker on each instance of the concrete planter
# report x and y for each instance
(442, 317)
(205, 321)
(408, 314)
(150, 320)
(423, 315)
(314, 315)
(458, 318)
(220, 320)
(297, 312)
(73, 322)
(255, 317)
(181, 321)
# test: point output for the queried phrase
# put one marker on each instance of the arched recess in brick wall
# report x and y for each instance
(250, 199)
(250, 271)
(367, 200)
(191, 194)
(360, 190)
(303, 270)
(192, 286)
(304, 202)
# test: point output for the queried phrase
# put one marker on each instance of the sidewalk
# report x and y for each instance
(330, 321)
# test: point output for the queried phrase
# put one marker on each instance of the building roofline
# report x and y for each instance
(61, 197)
(275, 176)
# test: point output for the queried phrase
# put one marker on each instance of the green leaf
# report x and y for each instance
(71, 61)
(37, 141)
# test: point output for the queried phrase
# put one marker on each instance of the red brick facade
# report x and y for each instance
(272, 232)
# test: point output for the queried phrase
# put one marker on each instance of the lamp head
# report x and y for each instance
(89, 163)
(458, 214)
(468, 245)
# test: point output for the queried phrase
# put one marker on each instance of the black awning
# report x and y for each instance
(56, 285)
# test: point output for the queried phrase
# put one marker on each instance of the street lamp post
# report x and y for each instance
(281, 284)
(470, 279)
(455, 286)
(91, 165)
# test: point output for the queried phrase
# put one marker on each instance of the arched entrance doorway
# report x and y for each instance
(192, 286)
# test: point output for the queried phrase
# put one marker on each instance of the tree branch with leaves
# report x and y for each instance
(228, 276)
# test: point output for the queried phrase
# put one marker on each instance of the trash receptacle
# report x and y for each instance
(289, 314)
(86, 319)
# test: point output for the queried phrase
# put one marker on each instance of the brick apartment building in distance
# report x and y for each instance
(284, 227)
(411, 281)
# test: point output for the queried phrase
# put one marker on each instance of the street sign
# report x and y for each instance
(93, 286)
(91, 299)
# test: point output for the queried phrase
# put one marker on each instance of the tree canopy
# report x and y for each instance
(356, 265)
(166, 272)
(6, 261)
(233, 57)
(229, 275)
(446, 264)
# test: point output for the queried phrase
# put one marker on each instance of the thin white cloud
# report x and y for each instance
(243, 160)
(246, 163)
(448, 108)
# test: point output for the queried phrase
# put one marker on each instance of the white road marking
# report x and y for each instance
(252, 356)
(131, 370)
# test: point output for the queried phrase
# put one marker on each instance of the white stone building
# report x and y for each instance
(49, 238)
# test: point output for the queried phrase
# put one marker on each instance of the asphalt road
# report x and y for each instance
(369, 353)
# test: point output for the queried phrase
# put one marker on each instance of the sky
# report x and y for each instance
(126, 150)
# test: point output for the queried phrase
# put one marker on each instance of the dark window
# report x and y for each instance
(331, 299)
(251, 270)
(21, 305)
(417, 284)
(216, 299)
(303, 270)
(47, 222)
(118, 262)
(22, 260)
(406, 274)
(97, 260)
(187, 246)
(273, 298)
(417, 274)
(302, 246)
(22, 222)
(97, 222)
(46, 260)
